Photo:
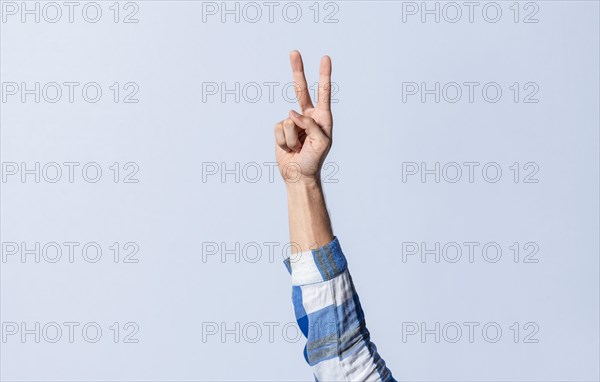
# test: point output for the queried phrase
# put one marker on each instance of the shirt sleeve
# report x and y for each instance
(330, 316)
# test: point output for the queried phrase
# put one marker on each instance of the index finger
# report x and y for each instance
(301, 88)
(324, 100)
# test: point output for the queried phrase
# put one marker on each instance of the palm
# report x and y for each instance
(306, 161)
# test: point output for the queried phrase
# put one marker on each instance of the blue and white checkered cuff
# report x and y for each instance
(317, 265)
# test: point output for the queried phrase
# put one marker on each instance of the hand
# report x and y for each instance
(303, 140)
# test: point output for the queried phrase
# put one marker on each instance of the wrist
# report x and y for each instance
(304, 183)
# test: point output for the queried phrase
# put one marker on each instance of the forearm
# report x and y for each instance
(326, 305)
(310, 226)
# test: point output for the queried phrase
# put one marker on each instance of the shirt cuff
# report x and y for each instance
(317, 265)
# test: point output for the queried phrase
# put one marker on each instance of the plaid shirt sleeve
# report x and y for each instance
(329, 315)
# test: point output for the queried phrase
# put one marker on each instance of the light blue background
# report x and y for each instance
(171, 212)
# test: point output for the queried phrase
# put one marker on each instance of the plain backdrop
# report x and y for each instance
(180, 293)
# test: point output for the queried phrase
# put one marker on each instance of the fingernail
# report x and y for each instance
(294, 113)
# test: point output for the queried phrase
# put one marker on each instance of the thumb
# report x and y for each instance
(308, 124)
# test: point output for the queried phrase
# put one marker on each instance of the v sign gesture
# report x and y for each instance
(303, 140)
(323, 293)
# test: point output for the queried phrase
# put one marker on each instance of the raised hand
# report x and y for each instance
(303, 140)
